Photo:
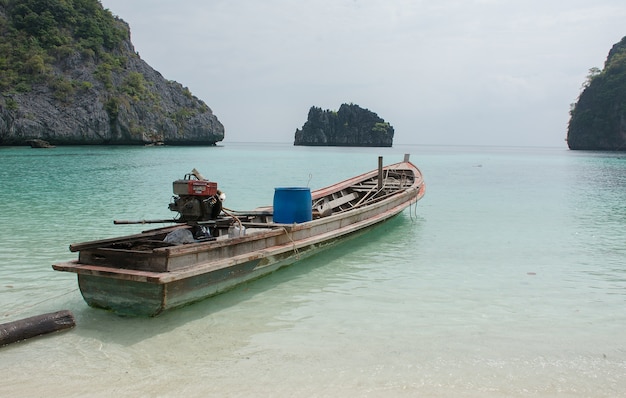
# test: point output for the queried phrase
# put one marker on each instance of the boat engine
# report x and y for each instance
(196, 199)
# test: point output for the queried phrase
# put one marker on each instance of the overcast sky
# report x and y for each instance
(442, 72)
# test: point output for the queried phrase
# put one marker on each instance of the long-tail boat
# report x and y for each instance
(211, 249)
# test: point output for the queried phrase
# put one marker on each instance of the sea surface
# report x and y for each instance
(507, 280)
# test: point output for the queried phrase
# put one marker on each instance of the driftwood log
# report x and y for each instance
(35, 326)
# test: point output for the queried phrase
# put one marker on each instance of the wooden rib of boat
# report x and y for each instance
(142, 275)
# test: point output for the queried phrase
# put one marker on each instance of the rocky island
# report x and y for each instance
(351, 125)
(69, 74)
(598, 118)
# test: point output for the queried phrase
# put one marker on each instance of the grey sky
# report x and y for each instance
(468, 72)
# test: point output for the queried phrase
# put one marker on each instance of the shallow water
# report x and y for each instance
(508, 279)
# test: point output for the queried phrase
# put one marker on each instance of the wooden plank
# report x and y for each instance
(74, 247)
(253, 213)
(260, 224)
(121, 273)
(335, 203)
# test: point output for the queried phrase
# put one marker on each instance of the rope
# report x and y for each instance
(19, 311)
(413, 209)
(295, 249)
(233, 216)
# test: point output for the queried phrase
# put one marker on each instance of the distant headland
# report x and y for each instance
(351, 125)
(71, 76)
(598, 118)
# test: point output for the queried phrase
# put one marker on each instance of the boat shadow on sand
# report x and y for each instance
(253, 297)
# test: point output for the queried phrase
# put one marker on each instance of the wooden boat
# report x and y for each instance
(144, 275)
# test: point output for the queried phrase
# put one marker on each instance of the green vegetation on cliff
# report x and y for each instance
(351, 125)
(70, 75)
(37, 33)
(598, 119)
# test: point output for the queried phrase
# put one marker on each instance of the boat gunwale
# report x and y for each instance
(277, 228)
(407, 165)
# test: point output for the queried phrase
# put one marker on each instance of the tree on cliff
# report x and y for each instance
(351, 125)
(598, 119)
(69, 75)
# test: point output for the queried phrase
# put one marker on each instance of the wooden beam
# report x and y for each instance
(380, 173)
(35, 326)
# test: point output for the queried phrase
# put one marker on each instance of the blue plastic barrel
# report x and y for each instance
(292, 205)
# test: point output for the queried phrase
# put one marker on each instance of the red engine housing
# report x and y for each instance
(195, 187)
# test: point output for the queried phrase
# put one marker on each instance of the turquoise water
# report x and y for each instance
(507, 280)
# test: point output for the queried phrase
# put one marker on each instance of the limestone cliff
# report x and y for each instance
(598, 119)
(351, 125)
(69, 74)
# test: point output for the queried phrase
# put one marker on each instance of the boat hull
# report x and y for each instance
(135, 298)
(139, 298)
